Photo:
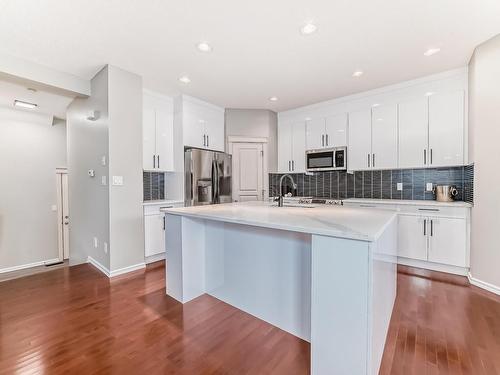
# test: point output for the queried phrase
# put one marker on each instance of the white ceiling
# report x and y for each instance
(258, 51)
(48, 103)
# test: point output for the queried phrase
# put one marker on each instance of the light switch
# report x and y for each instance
(103, 180)
(117, 180)
(103, 160)
(399, 186)
(53, 207)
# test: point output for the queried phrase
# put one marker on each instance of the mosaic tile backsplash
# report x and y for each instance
(153, 186)
(379, 184)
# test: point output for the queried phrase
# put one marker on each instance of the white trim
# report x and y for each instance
(98, 265)
(128, 269)
(29, 265)
(154, 258)
(240, 139)
(484, 285)
(462, 271)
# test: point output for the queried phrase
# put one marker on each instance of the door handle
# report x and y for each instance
(432, 229)
(293, 165)
(425, 156)
(66, 222)
(158, 156)
(163, 222)
(289, 165)
(154, 161)
(204, 141)
(431, 156)
(373, 160)
(208, 141)
(425, 225)
(368, 160)
(322, 140)
(327, 139)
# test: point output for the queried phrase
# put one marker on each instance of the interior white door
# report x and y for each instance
(154, 234)
(336, 131)
(315, 134)
(360, 137)
(148, 136)
(385, 137)
(65, 215)
(284, 148)
(446, 128)
(412, 237)
(164, 140)
(447, 241)
(248, 179)
(413, 133)
(299, 147)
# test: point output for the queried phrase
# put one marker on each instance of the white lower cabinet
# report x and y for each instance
(412, 239)
(154, 230)
(447, 241)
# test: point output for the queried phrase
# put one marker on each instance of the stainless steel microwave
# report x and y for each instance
(326, 159)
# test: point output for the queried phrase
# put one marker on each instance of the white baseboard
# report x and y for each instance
(128, 269)
(484, 285)
(29, 265)
(117, 272)
(98, 265)
(462, 271)
(154, 258)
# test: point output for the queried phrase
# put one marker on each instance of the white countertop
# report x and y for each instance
(161, 202)
(408, 202)
(335, 221)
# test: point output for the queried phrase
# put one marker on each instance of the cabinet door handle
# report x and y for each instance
(154, 161)
(204, 140)
(322, 140)
(163, 222)
(425, 156)
(208, 142)
(432, 228)
(289, 165)
(293, 165)
(425, 225)
(373, 160)
(158, 156)
(368, 160)
(327, 139)
(431, 156)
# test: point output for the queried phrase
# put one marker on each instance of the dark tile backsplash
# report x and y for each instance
(379, 184)
(153, 186)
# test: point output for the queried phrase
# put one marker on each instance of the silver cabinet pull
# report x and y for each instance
(327, 139)
(204, 142)
(432, 229)
(425, 225)
(208, 142)
(368, 160)
(289, 165)
(373, 160)
(431, 155)
(425, 156)
(158, 157)
(322, 140)
(163, 222)
(293, 165)
(154, 161)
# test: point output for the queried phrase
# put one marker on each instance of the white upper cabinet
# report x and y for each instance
(359, 147)
(157, 131)
(385, 137)
(446, 129)
(292, 147)
(202, 124)
(336, 130)
(315, 133)
(413, 134)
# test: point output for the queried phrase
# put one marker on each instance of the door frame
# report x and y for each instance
(231, 140)
(62, 200)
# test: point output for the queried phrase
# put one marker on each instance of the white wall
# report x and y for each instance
(88, 199)
(125, 159)
(30, 151)
(484, 133)
(255, 123)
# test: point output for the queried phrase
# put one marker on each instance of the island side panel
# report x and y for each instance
(265, 272)
(339, 306)
(185, 265)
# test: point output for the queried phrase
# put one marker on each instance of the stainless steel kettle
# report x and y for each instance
(445, 193)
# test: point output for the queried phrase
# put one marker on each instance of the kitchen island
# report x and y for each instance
(326, 274)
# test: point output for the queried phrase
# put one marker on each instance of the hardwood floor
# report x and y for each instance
(76, 321)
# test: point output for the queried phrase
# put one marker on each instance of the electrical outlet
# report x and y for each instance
(399, 186)
(103, 180)
(429, 186)
(103, 160)
(117, 180)
(96, 242)
(105, 247)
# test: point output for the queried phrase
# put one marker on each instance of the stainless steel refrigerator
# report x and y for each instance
(207, 177)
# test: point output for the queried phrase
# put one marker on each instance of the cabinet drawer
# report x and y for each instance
(444, 211)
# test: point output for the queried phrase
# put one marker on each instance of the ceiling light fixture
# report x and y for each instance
(20, 103)
(273, 98)
(204, 47)
(357, 73)
(184, 79)
(308, 28)
(430, 93)
(431, 51)
(375, 105)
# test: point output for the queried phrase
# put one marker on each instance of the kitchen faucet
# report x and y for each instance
(294, 185)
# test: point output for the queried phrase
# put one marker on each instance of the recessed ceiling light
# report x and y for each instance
(431, 51)
(273, 98)
(375, 105)
(184, 79)
(430, 93)
(204, 47)
(357, 73)
(308, 28)
(20, 103)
